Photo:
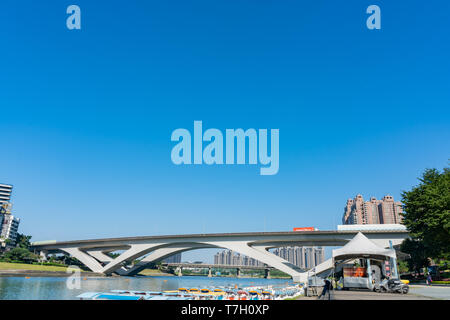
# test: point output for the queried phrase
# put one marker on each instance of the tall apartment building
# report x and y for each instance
(5, 193)
(176, 258)
(9, 227)
(9, 224)
(302, 257)
(384, 211)
(231, 258)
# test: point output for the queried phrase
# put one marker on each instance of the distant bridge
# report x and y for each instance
(179, 268)
(256, 245)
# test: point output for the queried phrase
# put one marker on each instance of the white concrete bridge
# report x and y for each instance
(93, 253)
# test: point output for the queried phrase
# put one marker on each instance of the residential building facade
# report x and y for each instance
(9, 227)
(384, 211)
(5, 193)
(9, 224)
(176, 258)
(302, 257)
(231, 258)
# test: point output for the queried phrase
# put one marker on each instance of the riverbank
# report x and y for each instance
(154, 272)
(8, 269)
(40, 273)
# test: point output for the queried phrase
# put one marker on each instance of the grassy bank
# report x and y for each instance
(33, 267)
(154, 272)
(440, 282)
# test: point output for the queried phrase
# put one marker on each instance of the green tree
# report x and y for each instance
(20, 254)
(23, 241)
(427, 215)
(403, 266)
(417, 252)
(68, 260)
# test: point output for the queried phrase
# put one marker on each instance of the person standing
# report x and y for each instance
(326, 289)
(429, 279)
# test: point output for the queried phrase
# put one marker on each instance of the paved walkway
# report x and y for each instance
(436, 292)
(370, 295)
(416, 292)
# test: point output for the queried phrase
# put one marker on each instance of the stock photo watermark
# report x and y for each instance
(374, 20)
(74, 280)
(73, 21)
(235, 143)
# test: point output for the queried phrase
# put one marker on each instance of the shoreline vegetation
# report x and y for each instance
(13, 269)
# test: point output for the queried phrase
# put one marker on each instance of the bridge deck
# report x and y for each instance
(244, 235)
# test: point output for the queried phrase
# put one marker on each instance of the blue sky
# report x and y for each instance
(86, 115)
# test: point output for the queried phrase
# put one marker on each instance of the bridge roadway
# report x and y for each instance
(94, 253)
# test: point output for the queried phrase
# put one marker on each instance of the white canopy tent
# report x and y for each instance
(361, 247)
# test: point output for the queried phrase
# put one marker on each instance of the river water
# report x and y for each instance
(55, 288)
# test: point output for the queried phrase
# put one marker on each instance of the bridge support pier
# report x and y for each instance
(85, 259)
(267, 273)
(43, 255)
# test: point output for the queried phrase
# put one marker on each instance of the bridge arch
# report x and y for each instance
(97, 260)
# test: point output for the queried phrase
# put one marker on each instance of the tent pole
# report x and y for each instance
(394, 264)
(369, 273)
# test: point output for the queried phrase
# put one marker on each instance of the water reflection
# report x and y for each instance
(54, 288)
